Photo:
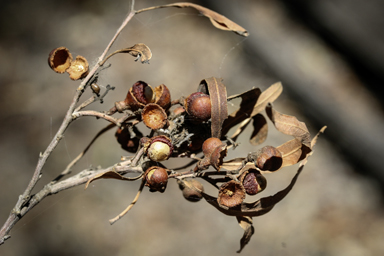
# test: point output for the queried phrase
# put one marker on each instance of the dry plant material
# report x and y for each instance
(194, 127)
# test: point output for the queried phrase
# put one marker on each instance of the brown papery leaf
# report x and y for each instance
(243, 114)
(267, 96)
(219, 110)
(138, 50)
(293, 151)
(233, 164)
(111, 175)
(289, 125)
(245, 223)
(218, 20)
(260, 130)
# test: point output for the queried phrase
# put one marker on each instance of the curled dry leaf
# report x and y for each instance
(218, 94)
(110, 175)
(140, 51)
(218, 20)
(289, 125)
(245, 223)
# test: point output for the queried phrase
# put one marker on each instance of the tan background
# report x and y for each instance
(335, 207)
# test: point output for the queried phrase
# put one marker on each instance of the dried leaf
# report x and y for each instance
(218, 20)
(233, 164)
(245, 223)
(289, 125)
(111, 175)
(140, 51)
(293, 151)
(243, 114)
(219, 110)
(260, 130)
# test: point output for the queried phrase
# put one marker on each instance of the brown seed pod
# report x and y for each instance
(231, 194)
(269, 158)
(210, 145)
(137, 97)
(60, 59)
(198, 106)
(253, 181)
(191, 189)
(158, 148)
(79, 68)
(154, 116)
(157, 178)
(162, 96)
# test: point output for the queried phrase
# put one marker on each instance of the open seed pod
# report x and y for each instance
(253, 181)
(60, 59)
(231, 194)
(191, 189)
(157, 178)
(162, 96)
(214, 152)
(139, 95)
(154, 116)
(217, 156)
(158, 148)
(79, 68)
(269, 158)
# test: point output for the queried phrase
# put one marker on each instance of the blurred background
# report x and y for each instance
(329, 56)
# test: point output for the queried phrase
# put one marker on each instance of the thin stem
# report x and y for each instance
(111, 119)
(21, 207)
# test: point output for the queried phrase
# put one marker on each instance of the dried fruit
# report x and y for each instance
(157, 178)
(269, 158)
(159, 148)
(154, 116)
(210, 145)
(60, 59)
(191, 189)
(137, 97)
(231, 194)
(162, 96)
(253, 181)
(198, 106)
(79, 68)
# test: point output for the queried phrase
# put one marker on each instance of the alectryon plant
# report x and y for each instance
(180, 127)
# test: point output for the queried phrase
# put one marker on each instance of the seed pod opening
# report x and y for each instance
(79, 68)
(60, 59)
(253, 181)
(269, 158)
(231, 194)
(217, 156)
(210, 145)
(154, 116)
(159, 148)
